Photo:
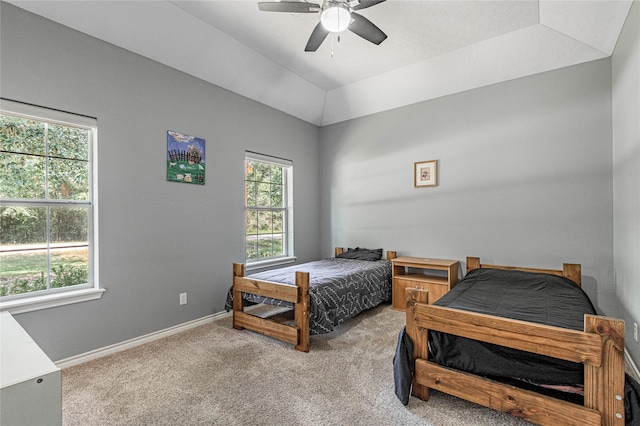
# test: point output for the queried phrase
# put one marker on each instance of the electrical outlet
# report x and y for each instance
(183, 298)
(635, 331)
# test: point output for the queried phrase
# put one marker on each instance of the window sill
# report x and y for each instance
(20, 306)
(269, 263)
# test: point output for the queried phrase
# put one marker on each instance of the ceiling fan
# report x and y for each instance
(336, 16)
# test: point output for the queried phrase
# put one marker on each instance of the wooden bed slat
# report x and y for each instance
(288, 293)
(572, 271)
(570, 345)
(518, 402)
(265, 326)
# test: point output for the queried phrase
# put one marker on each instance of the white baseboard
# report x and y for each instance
(137, 341)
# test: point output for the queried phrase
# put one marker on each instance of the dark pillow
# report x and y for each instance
(361, 254)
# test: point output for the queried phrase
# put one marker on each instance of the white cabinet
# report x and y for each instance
(31, 383)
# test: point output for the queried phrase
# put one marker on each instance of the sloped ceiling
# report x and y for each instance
(434, 48)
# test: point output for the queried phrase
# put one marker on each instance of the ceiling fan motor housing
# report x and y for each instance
(335, 16)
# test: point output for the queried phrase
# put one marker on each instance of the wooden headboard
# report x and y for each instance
(572, 271)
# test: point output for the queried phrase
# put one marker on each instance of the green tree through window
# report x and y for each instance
(46, 204)
(267, 208)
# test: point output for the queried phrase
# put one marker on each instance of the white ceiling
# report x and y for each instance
(434, 48)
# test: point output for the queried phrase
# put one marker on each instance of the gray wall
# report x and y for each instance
(625, 301)
(528, 174)
(525, 176)
(157, 238)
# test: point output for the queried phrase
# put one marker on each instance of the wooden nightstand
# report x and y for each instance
(414, 272)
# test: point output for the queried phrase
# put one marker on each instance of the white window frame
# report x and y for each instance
(61, 296)
(289, 256)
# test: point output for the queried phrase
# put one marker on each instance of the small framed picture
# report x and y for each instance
(425, 173)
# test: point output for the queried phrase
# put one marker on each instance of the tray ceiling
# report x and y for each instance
(433, 49)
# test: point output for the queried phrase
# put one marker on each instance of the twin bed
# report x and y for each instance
(524, 341)
(320, 294)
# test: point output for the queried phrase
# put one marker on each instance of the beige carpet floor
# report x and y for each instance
(215, 375)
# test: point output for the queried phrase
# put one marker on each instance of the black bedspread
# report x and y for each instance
(339, 289)
(540, 298)
(404, 367)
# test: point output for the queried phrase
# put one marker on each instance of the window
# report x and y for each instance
(268, 210)
(47, 208)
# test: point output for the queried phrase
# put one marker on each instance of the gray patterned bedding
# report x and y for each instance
(340, 289)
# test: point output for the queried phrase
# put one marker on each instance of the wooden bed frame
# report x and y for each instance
(600, 347)
(296, 334)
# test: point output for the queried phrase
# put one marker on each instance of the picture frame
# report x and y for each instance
(425, 173)
(186, 160)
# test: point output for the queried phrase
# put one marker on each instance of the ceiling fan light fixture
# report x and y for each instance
(335, 18)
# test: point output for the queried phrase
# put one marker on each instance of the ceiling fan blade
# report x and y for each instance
(366, 29)
(289, 6)
(317, 37)
(363, 4)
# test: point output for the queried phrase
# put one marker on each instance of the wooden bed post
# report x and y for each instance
(473, 263)
(238, 302)
(419, 336)
(604, 384)
(301, 311)
(572, 271)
